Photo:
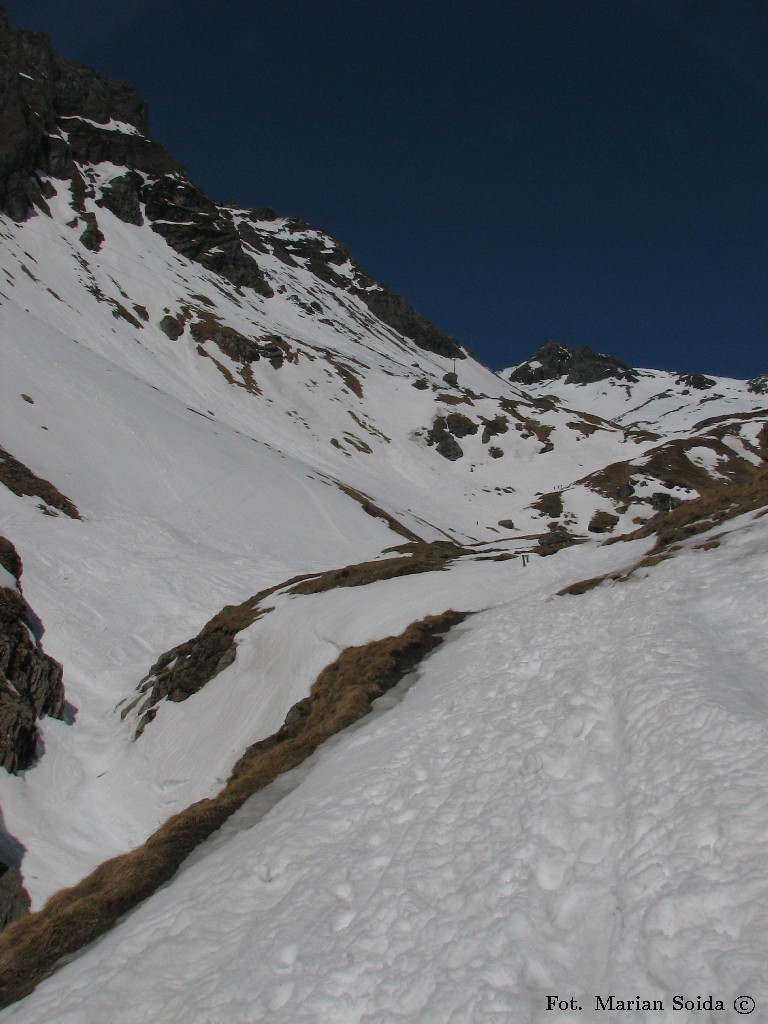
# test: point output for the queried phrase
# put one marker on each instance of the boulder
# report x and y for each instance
(449, 448)
(602, 522)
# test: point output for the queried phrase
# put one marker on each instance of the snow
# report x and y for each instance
(655, 401)
(108, 126)
(7, 579)
(569, 800)
(566, 798)
(706, 458)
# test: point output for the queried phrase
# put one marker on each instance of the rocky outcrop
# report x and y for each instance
(50, 113)
(237, 346)
(57, 118)
(697, 381)
(30, 681)
(14, 898)
(122, 196)
(460, 425)
(576, 365)
(397, 312)
(444, 431)
(202, 231)
(602, 522)
(22, 481)
(301, 244)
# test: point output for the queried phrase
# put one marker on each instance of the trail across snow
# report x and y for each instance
(569, 800)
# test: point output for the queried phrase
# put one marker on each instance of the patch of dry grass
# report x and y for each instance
(21, 480)
(186, 668)
(582, 586)
(550, 504)
(449, 399)
(351, 381)
(746, 491)
(526, 423)
(554, 541)
(369, 506)
(421, 557)
(32, 948)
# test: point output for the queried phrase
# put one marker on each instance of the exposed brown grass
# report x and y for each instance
(550, 504)
(669, 463)
(32, 948)
(350, 380)
(582, 586)
(186, 668)
(746, 491)
(369, 427)
(21, 480)
(731, 419)
(369, 506)
(357, 443)
(238, 346)
(422, 557)
(554, 541)
(526, 423)
(448, 399)
(584, 427)
(493, 427)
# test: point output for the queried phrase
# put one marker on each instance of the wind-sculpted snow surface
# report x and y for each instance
(569, 802)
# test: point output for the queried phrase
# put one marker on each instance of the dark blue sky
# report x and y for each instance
(594, 171)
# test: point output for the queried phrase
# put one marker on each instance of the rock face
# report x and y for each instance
(30, 681)
(57, 118)
(396, 311)
(576, 365)
(697, 381)
(39, 93)
(14, 898)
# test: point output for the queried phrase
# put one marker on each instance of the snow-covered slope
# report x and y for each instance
(654, 400)
(200, 404)
(568, 801)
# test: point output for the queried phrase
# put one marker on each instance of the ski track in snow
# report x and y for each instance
(570, 800)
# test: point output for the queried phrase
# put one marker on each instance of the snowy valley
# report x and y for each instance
(234, 470)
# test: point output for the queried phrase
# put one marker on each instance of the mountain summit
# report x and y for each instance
(346, 678)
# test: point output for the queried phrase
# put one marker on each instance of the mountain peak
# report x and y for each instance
(61, 121)
(578, 365)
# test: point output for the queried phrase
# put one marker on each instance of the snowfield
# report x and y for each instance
(568, 800)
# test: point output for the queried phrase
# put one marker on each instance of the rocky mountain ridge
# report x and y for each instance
(59, 116)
